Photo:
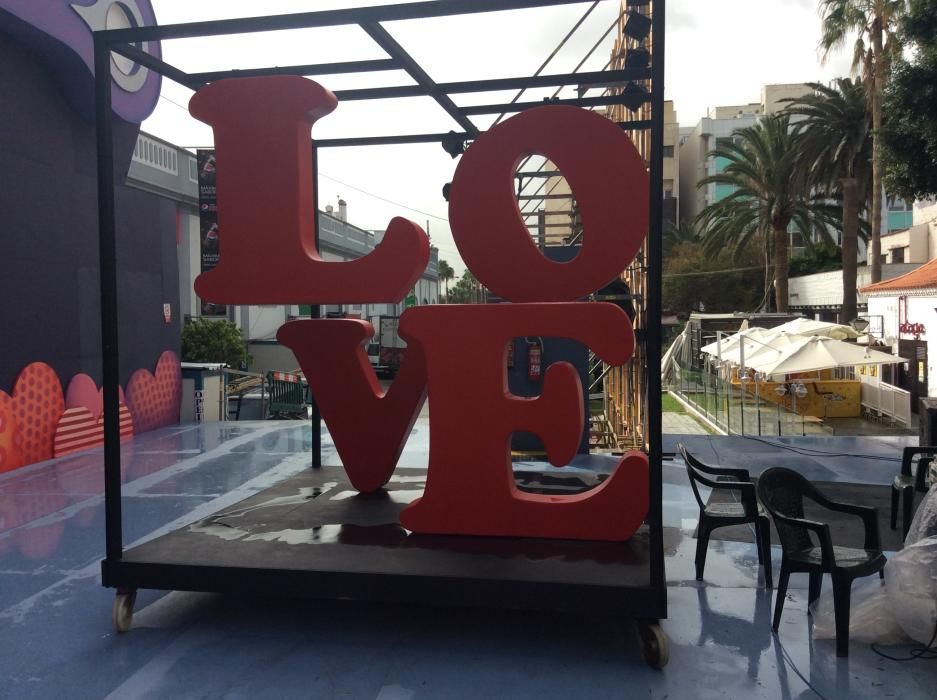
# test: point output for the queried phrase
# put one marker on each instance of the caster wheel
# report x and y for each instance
(123, 610)
(654, 647)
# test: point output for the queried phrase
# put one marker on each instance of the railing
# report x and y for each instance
(886, 400)
(735, 410)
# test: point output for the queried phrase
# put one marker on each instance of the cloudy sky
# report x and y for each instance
(718, 52)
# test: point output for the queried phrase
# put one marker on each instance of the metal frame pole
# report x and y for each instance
(315, 311)
(653, 314)
(107, 255)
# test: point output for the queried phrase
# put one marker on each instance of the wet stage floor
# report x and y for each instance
(57, 639)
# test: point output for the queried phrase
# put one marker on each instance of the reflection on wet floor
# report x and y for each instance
(55, 617)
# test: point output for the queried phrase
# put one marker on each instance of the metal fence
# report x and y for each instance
(737, 411)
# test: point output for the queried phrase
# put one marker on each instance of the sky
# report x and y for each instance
(717, 52)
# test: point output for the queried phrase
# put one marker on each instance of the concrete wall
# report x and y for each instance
(825, 289)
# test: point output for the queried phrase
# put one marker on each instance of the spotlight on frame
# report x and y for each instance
(638, 26)
(633, 96)
(637, 58)
(453, 144)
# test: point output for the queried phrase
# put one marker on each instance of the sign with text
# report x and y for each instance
(209, 233)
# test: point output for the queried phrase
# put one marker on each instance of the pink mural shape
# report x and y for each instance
(154, 400)
(81, 426)
(78, 430)
(10, 439)
(37, 403)
(82, 391)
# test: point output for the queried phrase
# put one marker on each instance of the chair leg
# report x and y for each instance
(841, 600)
(702, 544)
(894, 507)
(782, 593)
(907, 508)
(763, 533)
(816, 584)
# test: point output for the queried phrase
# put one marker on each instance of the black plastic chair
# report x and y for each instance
(716, 515)
(783, 491)
(907, 482)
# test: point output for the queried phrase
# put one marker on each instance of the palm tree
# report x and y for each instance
(768, 196)
(446, 273)
(875, 23)
(680, 232)
(835, 154)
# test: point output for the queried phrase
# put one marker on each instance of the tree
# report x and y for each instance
(682, 232)
(910, 136)
(213, 341)
(467, 290)
(730, 281)
(768, 196)
(875, 23)
(834, 152)
(446, 273)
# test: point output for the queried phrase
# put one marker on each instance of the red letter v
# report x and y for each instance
(369, 427)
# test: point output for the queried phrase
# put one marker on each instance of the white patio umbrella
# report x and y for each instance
(818, 352)
(731, 342)
(808, 327)
(769, 346)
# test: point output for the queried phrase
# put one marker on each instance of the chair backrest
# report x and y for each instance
(782, 492)
(907, 458)
(691, 472)
(285, 393)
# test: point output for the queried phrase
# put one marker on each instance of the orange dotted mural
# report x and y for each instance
(154, 400)
(37, 404)
(10, 457)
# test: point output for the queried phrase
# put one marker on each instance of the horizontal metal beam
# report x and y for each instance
(150, 61)
(595, 78)
(383, 39)
(543, 196)
(576, 102)
(537, 173)
(310, 69)
(388, 140)
(325, 18)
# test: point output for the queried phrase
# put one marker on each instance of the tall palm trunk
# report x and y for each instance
(850, 246)
(878, 79)
(781, 255)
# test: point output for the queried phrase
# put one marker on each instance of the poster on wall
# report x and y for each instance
(208, 223)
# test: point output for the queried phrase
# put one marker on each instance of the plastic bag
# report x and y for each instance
(924, 523)
(911, 583)
(871, 619)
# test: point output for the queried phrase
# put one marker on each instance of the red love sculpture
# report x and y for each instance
(470, 485)
(265, 188)
(334, 362)
(608, 179)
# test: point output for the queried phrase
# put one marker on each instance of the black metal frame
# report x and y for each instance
(648, 602)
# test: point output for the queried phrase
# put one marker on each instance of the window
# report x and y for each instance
(668, 151)
(897, 255)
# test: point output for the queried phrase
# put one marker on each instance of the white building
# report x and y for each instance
(711, 131)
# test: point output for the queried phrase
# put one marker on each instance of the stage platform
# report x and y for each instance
(314, 535)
